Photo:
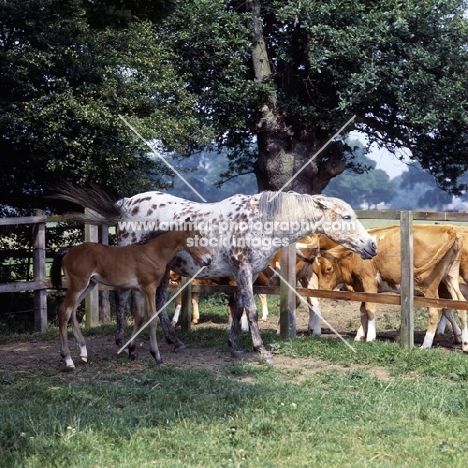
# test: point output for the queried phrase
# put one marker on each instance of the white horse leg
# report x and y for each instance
(175, 318)
(315, 314)
(314, 325)
(244, 323)
(263, 300)
(361, 333)
(433, 320)
(195, 310)
(447, 316)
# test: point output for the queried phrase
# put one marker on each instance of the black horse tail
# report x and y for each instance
(104, 208)
(56, 269)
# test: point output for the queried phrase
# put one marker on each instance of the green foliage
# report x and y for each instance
(62, 89)
(416, 188)
(181, 73)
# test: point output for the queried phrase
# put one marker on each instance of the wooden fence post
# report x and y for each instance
(186, 309)
(287, 295)
(39, 273)
(104, 304)
(92, 299)
(407, 285)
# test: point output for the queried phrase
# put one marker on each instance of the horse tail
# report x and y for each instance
(104, 208)
(56, 269)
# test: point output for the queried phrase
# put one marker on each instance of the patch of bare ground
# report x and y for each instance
(26, 357)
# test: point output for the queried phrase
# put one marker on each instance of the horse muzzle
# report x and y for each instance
(206, 261)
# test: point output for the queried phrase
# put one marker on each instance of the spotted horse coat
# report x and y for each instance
(242, 233)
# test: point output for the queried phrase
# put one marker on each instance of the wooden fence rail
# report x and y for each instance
(406, 300)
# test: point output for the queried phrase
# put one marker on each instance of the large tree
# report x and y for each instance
(289, 74)
(66, 74)
(270, 81)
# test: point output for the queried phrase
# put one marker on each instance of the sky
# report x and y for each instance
(387, 162)
(384, 159)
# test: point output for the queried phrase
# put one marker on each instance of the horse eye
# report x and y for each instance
(347, 216)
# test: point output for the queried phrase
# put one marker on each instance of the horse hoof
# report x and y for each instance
(119, 342)
(268, 360)
(181, 350)
(174, 324)
(240, 355)
(457, 339)
(84, 358)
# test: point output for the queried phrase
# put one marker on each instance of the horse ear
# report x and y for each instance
(323, 203)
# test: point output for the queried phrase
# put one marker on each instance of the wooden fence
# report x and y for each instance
(406, 300)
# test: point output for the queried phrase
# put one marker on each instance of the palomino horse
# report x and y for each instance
(138, 266)
(242, 233)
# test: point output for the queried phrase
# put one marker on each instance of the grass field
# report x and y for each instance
(323, 406)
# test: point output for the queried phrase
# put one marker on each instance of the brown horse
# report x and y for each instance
(138, 266)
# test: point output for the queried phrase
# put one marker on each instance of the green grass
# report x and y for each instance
(108, 414)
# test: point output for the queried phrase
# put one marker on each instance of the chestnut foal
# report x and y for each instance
(137, 266)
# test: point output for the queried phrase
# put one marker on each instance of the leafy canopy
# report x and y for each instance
(399, 66)
(63, 86)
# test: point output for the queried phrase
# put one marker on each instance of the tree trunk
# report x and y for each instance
(286, 156)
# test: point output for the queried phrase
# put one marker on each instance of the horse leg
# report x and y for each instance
(362, 330)
(230, 310)
(314, 326)
(195, 310)
(166, 325)
(122, 296)
(178, 306)
(80, 341)
(138, 319)
(263, 300)
(67, 310)
(245, 293)
(371, 334)
(432, 322)
(244, 322)
(150, 295)
(464, 330)
(64, 314)
(453, 286)
(447, 316)
(236, 311)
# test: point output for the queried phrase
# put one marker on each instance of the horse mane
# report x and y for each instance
(286, 206)
(151, 235)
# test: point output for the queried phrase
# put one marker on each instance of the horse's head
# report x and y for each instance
(339, 222)
(196, 247)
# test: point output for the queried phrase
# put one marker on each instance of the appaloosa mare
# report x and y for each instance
(242, 233)
(138, 266)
